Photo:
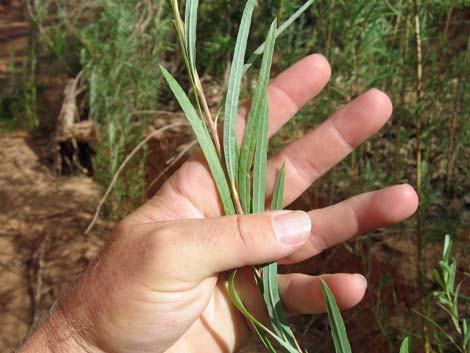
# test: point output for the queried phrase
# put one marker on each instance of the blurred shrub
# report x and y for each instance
(123, 46)
(118, 45)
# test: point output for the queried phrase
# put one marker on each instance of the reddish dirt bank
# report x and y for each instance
(42, 245)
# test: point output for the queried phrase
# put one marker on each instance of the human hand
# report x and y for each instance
(156, 287)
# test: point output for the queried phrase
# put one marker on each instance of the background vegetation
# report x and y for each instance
(417, 51)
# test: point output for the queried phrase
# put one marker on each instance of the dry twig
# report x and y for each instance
(173, 162)
(121, 168)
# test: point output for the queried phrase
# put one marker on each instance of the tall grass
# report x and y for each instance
(118, 46)
(416, 54)
(123, 47)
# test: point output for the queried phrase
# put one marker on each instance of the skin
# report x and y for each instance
(156, 286)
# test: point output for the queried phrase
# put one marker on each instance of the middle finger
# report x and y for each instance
(323, 147)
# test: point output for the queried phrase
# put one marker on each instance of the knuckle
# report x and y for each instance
(159, 239)
(147, 242)
(120, 231)
(318, 241)
(155, 248)
(243, 232)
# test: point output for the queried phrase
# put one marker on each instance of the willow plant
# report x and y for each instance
(240, 172)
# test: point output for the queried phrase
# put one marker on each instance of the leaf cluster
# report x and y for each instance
(240, 172)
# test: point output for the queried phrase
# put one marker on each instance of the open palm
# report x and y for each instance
(171, 303)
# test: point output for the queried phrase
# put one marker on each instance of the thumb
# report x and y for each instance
(207, 246)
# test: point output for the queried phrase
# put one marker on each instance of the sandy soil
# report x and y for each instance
(42, 245)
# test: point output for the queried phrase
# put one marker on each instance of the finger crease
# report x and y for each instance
(318, 240)
(240, 233)
(287, 96)
(341, 136)
(177, 190)
(356, 221)
(309, 176)
(285, 294)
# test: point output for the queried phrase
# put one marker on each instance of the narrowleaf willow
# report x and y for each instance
(240, 171)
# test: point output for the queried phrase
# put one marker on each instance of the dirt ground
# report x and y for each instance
(42, 245)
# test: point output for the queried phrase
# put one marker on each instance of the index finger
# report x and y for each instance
(290, 91)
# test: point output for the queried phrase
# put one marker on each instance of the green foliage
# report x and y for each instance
(257, 111)
(11, 107)
(262, 330)
(204, 140)
(338, 330)
(255, 143)
(118, 46)
(269, 281)
(190, 24)
(449, 300)
(368, 43)
(404, 348)
(120, 58)
(233, 93)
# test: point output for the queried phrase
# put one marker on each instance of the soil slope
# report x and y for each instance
(42, 245)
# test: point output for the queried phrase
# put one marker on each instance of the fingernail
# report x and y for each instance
(291, 228)
(363, 279)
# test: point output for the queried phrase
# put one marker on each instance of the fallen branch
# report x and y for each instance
(121, 168)
(83, 131)
(68, 115)
(70, 131)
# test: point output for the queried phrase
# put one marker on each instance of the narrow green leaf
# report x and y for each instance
(436, 325)
(183, 41)
(238, 303)
(447, 247)
(466, 333)
(244, 189)
(261, 160)
(437, 278)
(265, 340)
(278, 194)
(405, 345)
(455, 306)
(249, 139)
(204, 140)
(279, 31)
(233, 93)
(274, 304)
(452, 272)
(270, 283)
(190, 26)
(338, 330)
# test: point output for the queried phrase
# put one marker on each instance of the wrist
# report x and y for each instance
(55, 335)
